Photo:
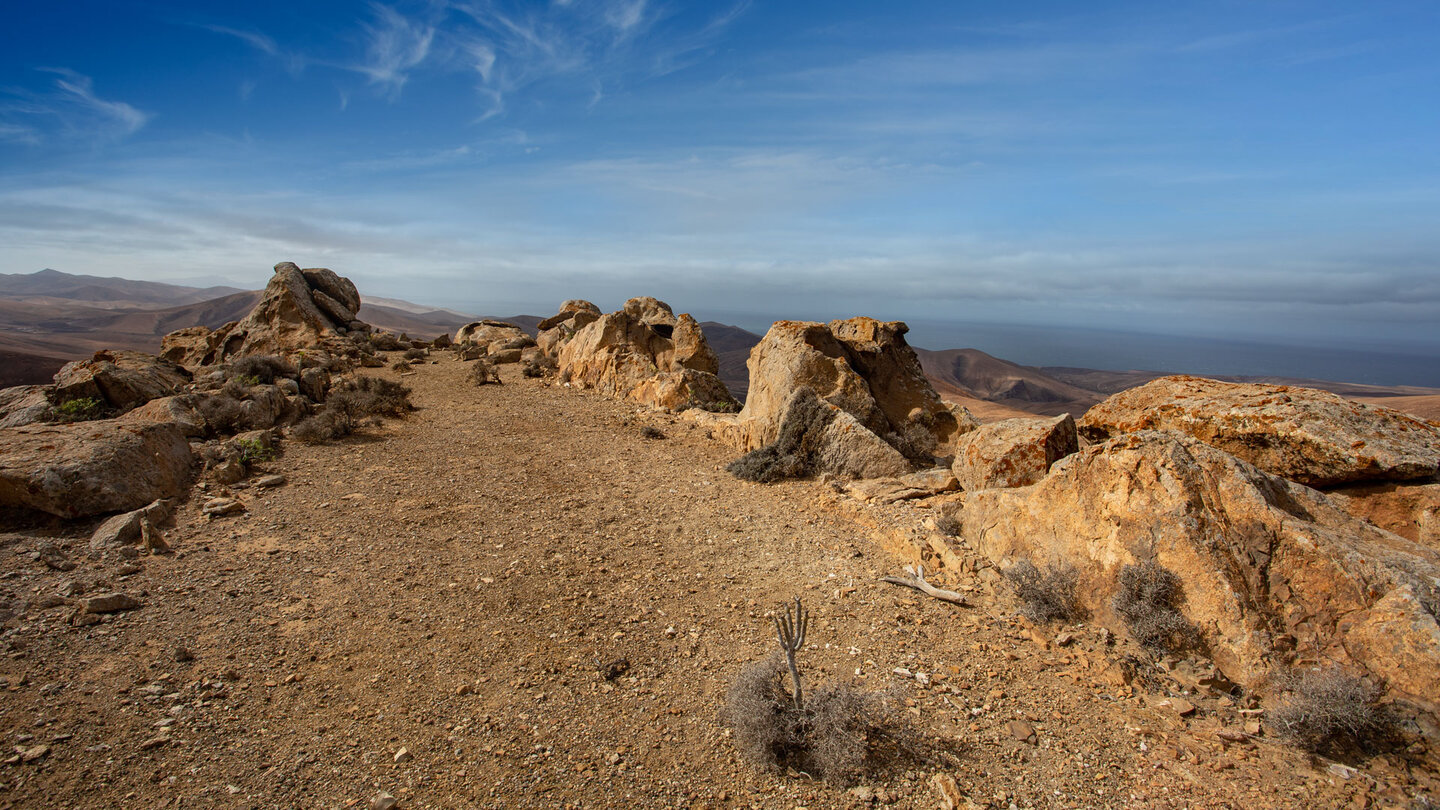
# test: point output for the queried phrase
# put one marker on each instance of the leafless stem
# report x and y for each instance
(917, 581)
(790, 629)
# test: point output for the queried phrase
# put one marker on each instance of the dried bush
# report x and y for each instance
(483, 373)
(415, 354)
(1329, 710)
(792, 454)
(401, 366)
(1046, 596)
(222, 410)
(651, 432)
(948, 525)
(262, 369)
(1148, 599)
(351, 403)
(834, 734)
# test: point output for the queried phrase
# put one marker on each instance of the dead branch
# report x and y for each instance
(917, 581)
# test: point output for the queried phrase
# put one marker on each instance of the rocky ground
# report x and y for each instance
(515, 598)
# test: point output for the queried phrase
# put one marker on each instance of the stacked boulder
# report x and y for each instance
(497, 341)
(643, 352)
(880, 415)
(300, 310)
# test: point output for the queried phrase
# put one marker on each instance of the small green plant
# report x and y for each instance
(83, 409)
(253, 451)
(717, 407)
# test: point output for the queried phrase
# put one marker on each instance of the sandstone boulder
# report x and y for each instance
(816, 437)
(863, 367)
(1409, 510)
(122, 380)
(1309, 436)
(182, 410)
(1269, 568)
(922, 484)
(89, 468)
(573, 316)
(24, 404)
(647, 354)
(1013, 452)
(288, 319)
(487, 333)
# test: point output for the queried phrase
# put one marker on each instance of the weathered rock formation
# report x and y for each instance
(89, 468)
(647, 354)
(485, 333)
(1309, 436)
(862, 366)
(301, 309)
(1013, 452)
(24, 404)
(1270, 569)
(573, 316)
(122, 380)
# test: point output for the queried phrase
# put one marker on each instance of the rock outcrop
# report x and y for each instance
(1270, 569)
(1013, 452)
(862, 366)
(90, 468)
(301, 309)
(486, 333)
(121, 380)
(1308, 436)
(645, 353)
(24, 404)
(573, 316)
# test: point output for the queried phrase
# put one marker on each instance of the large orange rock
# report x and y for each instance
(300, 310)
(573, 316)
(1013, 452)
(1266, 565)
(645, 353)
(487, 332)
(89, 468)
(1313, 437)
(862, 366)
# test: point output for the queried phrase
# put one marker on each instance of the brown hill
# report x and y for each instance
(105, 292)
(974, 374)
(732, 346)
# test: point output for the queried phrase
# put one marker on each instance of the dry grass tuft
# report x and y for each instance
(1047, 596)
(483, 373)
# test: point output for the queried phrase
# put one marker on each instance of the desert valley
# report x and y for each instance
(296, 548)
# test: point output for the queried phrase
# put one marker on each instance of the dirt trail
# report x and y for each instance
(455, 585)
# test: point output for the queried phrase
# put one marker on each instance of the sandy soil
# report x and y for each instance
(431, 609)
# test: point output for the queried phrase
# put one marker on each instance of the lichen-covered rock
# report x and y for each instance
(1013, 452)
(644, 353)
(1312, 437)
(90, 468)
(1259, 558)
(24, 404)
(122, 380)
(287, 320)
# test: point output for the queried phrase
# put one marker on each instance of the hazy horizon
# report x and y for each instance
(1257, 172)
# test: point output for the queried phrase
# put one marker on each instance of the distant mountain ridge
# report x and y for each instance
(55, 284)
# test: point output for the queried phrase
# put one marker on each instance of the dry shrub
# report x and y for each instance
(400, 367)
(948, 525)
(414, 354)
(483, 373)
(222, 410)
(1149, 600)
(264, 369)
(651, 432)
(838, 734)
(386, 342)
(792, 454)
(350, 404)
(1047, 596)
(1330, 710)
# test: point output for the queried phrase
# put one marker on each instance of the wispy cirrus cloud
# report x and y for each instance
(72, 111)
(293, 63)
(395, 45)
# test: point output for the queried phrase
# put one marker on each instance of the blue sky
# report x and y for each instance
(1223, 168)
